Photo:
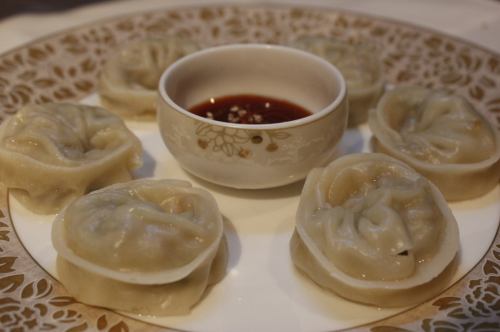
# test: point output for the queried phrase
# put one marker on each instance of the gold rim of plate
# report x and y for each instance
(64, 67)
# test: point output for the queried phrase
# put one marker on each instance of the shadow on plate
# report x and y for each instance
(148, 166)
(352, 142)
(233, 244)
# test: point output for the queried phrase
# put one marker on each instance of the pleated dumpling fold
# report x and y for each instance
(146, 246)
(441, 136)
(52, 153)
(372, 230)
(361, 66)
(128, 83)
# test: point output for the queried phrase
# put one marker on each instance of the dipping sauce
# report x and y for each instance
(249, 109)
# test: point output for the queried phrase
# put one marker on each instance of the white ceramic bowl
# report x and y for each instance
(258, 155)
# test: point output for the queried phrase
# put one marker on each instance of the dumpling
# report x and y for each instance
(52, 153)
(129, 80)
(163, 241)
(360, 66)
(440, 135)
(372, 230)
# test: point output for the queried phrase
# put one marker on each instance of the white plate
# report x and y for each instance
(262, 291)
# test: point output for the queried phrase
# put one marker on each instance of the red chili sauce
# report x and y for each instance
(249, 109)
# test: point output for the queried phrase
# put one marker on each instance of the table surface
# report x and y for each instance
(477, 21)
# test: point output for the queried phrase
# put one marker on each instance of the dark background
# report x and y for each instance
(11, 7)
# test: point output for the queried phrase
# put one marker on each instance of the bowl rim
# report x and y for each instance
(329, 108)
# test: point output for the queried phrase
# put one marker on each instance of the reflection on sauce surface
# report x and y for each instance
(249, 109)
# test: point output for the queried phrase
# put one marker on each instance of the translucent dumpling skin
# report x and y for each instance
(374, 231)
(163, 243)
(442, 137)
(129, 79)
(52, 153)
(359, 64)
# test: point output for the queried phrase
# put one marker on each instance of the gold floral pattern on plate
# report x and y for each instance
(65, 66)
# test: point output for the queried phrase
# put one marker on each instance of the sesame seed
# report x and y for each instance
(257, 118)
(232, 118)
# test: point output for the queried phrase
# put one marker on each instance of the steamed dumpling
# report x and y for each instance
(372, 230)
(360, 66)
(163, 241)
(52, 153)
(129, 80)
(442, 137)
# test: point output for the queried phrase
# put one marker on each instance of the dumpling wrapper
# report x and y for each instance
(128, 83)
(359, 64)
(440, 135)
(52, 153)
(372, 230)
(163, 241)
